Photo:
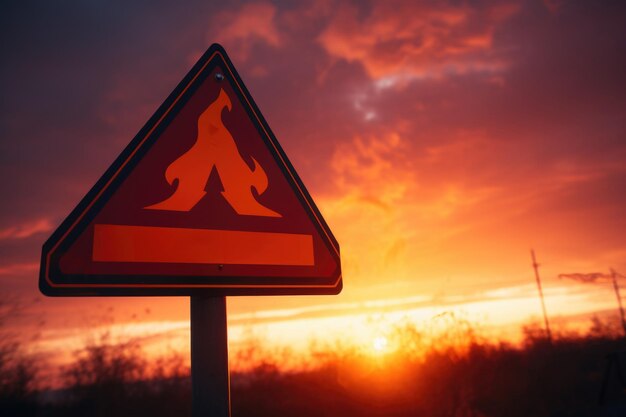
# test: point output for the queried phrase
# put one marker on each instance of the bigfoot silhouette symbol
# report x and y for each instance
(215, 148)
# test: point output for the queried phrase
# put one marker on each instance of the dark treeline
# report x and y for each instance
(476, 378)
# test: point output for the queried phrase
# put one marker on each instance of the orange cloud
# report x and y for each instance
(554, 6)
(18, 268)
(252, 23)
(367, 207)
(374, 171)
(27, 229)
(415, 40)
(393, 209)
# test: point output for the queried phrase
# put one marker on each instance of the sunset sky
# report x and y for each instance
(440, 140)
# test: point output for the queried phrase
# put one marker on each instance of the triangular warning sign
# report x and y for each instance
(203, 200)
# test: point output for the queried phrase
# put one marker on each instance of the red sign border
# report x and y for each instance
(49, 281)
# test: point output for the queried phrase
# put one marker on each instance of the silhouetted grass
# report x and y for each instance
(17, 369)
(453, 374)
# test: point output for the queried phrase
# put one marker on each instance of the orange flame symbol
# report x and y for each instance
(215, 148)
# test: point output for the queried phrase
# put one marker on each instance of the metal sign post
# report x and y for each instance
(210, 378)
(156, 224)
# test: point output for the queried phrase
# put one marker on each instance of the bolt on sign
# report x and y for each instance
(203, 200)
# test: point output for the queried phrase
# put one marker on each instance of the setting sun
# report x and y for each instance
(380, 344)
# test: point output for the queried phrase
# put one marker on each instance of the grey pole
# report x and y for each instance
(543, 303)
(619, 299)
(210, 378)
